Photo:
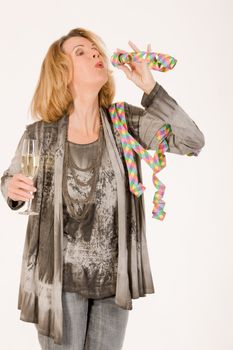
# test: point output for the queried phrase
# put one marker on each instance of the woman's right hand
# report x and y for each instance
(19, 186)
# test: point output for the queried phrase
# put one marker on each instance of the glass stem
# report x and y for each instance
(29, 203)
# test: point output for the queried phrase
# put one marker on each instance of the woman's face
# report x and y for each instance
(84, 55)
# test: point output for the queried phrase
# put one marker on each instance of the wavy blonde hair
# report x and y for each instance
(52, 98)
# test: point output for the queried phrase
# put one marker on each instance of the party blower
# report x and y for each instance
(162, 63)
(156, 61)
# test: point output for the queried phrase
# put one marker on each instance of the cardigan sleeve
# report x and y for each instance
(14, 168)
(160, 109)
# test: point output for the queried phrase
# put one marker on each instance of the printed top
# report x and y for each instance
(90, 249)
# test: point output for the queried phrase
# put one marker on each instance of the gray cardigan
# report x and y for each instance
(40, 289)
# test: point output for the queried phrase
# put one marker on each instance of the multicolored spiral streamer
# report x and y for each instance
(157, 162)
(156, 61)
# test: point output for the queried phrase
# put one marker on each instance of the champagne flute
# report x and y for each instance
(29, 166)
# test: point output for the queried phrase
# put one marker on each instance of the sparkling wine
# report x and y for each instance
(30, 164)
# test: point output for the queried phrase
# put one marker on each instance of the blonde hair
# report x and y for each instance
(52, 98)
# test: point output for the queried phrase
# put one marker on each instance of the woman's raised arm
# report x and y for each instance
(160, 108)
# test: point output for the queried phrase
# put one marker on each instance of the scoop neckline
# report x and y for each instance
(86, 144)
(83, 144)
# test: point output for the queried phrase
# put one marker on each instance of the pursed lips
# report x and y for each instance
(99, 65)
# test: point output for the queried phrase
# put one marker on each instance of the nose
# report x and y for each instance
(96, 54)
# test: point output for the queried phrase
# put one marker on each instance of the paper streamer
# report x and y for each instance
(157, 162)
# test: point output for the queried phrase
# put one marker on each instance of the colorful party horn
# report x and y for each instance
(156, 61)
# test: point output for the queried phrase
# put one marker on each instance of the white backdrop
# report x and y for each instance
(191, 250)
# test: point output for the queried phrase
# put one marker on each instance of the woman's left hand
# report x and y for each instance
(140, 73)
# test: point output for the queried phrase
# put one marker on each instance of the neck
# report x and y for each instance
(85, 117)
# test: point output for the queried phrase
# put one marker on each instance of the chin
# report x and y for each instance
(103, 80)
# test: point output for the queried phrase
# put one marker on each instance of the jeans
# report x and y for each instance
(89, 324)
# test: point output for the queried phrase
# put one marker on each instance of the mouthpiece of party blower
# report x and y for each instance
(156, 61)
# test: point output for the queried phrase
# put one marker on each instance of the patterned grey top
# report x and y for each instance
(90, 244)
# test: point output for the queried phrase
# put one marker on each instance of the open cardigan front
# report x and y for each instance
(40, 290)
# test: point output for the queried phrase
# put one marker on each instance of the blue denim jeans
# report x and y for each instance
(89, 324)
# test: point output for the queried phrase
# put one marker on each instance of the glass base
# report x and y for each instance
(28, 212)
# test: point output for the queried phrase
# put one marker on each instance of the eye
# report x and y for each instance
(78, 52)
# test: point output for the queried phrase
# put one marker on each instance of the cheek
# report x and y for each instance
(83, 71)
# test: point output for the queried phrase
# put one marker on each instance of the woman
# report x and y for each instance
(85, 255)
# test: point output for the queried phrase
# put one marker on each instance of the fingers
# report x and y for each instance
(148, 47)
(19, 187)
(20, 195)
(120, 50)
(137, 49)
(133, 46)
(133, 65)
(23, 178)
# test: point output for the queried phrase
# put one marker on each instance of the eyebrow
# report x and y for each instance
(82, 45)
